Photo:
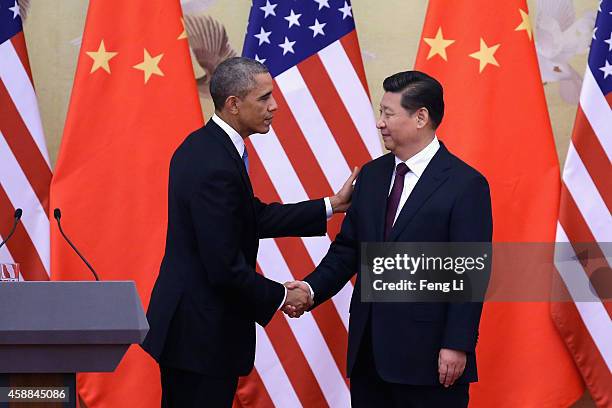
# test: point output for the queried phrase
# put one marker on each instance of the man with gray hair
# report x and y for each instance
(208, 296)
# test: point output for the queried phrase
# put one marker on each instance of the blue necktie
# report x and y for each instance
(245, 159)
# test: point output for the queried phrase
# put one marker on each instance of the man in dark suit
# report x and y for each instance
(208, 296)
(408, 354)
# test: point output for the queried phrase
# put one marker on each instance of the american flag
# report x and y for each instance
(25, 173)
(323, 128)
(585, 216)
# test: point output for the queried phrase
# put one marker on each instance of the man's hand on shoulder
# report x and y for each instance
(342, 200)
(451, 364)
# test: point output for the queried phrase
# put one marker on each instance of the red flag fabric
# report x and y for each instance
(133, 101)
(496, 120)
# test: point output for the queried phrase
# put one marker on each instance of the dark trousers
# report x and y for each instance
(369, 390)
(185, 389)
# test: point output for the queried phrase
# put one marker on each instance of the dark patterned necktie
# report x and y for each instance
(394, 197)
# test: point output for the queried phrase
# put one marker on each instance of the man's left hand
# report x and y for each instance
(342, 200)
(451, 364)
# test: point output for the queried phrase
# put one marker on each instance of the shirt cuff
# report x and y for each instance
(310, 289)
(329, 211)
(284, 299)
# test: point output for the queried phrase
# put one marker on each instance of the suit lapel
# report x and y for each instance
(433, 177)
(224, 139)
(382, 181)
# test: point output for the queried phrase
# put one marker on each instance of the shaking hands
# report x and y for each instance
(299, 299)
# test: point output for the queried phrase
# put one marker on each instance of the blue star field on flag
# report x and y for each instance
(282, 33)
(600, 56)
(10, 19)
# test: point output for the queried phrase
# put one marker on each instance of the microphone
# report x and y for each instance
(18, 213)
(57, 214)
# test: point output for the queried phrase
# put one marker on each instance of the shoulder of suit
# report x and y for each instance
(378, 162)
(465, 170)
(198, 142)
(202, 151)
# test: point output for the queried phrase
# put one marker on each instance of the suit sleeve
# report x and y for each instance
(216, 213)
(304, 219)
(341, 261)
(471, 221)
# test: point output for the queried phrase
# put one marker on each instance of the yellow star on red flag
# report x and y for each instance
(101, 58)
(150, 65)
(183, 35)
(486, 55)
(525, 24)
(438, 45)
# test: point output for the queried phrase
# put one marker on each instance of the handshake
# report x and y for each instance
(299, 298)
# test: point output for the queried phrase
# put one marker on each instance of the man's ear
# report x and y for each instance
(422, 117)
(232, 104)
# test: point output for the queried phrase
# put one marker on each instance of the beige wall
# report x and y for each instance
(49, 28)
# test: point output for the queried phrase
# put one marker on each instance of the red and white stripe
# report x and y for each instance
(585, 216)
(324, 127)
(25, 172)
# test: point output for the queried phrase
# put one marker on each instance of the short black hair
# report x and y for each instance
(234, 77)
(418, 90)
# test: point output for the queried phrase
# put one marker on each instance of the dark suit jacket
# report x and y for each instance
(208, 295)
(450, 202)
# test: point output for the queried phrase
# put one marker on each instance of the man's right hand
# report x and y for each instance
(341, 201)
(298, 300)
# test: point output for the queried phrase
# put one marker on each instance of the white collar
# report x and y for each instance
(419, 161)
(231, 132)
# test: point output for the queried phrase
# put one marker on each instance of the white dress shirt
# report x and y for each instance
(239, 144)
(231, 132)
(417, 165)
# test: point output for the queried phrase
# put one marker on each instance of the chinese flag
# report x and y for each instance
(133, 101)
(496, 119)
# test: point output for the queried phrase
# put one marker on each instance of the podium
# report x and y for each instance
(49, 331)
